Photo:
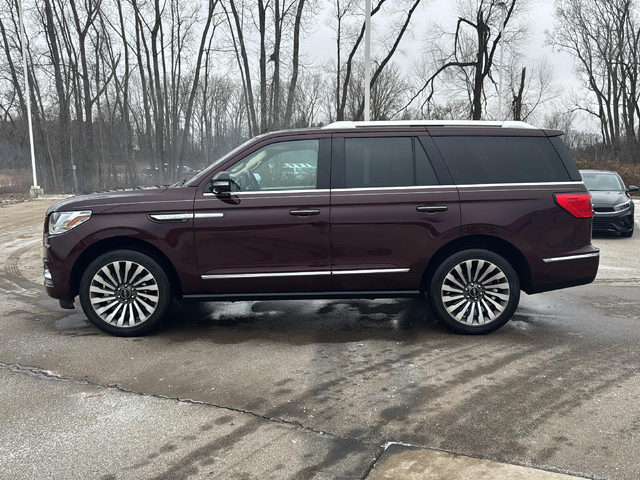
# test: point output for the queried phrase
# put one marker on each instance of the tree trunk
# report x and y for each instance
(63, 104)
(295, 62)
(194, 86)
(517, 98)
(159, 120)
(262, 14)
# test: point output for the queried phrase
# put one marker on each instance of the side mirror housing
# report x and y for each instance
(221, 183)
(632, 188)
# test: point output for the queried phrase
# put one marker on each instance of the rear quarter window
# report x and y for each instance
(481, 159)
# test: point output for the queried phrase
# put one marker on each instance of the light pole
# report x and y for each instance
(367, 60)
(35, 189)
(503, 8)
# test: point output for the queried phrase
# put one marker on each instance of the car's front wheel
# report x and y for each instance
(474, 291)
(125, 293)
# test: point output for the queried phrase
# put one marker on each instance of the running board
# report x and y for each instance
(236, 297)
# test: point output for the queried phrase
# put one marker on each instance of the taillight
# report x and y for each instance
(577, 204)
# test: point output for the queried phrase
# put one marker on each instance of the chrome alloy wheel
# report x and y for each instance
(475, 292)
(124, 294)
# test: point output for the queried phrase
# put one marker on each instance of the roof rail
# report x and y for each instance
(428, 123)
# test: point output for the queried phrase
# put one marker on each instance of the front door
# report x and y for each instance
(272, 234)
(390, 211)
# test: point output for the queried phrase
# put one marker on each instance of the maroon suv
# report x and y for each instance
(464, 213)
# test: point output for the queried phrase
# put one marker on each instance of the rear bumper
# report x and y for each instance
(560, 285)
(565, 270)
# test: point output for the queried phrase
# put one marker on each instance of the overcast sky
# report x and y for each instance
(321, 42)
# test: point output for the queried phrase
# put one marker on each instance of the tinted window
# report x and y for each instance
(501, 159)
(279, 166)
(425, 175)
(386, 162)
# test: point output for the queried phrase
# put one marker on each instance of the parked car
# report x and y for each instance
(613, 207)
(467, 214)
(185, 171)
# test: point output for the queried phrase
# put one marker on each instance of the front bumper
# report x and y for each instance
(613, 221)
(59, 255)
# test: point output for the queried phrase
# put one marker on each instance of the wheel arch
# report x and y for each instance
(122, 243)
(487, 242)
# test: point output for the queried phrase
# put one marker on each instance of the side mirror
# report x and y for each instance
(632, 188)
(221, 183)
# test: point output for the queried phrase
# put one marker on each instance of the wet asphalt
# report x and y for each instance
(315, 389)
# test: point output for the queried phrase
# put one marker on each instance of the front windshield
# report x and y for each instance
(602, 182)
(222, 159)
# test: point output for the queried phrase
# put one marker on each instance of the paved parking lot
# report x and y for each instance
(316, 389)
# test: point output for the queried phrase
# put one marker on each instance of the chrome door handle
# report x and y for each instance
(432, 208)
(304, 212)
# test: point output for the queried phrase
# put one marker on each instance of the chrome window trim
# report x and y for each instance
(379, 189)
(302, 274)
(571, 257)
(532, 184)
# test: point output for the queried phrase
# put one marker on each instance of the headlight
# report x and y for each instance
(60, 222)
(622, 206)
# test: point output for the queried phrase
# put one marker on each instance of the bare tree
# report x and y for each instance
(530, 87)
(604, 39)
(468, 56)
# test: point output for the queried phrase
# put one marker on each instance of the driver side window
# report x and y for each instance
(278, 166)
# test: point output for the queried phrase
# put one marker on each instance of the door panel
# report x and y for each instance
(259, 246)
(382, 229)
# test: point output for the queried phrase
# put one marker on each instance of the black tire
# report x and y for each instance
(630, 232)
(136, 305)
(480, 296)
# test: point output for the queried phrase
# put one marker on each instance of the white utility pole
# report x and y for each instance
(35, 189)
(503, 9)
(367, 61)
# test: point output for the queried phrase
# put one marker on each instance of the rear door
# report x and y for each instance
(391, 209)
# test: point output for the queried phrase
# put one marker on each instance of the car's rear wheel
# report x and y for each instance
(474, 291)
(125, 293)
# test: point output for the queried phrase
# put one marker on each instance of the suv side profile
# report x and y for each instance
(467, 214)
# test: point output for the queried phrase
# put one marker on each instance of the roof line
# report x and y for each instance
(429, 123)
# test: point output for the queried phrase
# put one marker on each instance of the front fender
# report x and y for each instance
(68, 254)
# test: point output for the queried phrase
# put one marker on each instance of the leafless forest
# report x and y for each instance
(130, 92)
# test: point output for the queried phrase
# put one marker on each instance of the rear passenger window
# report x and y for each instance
(476, 160)
(425, 175)
(386, 162)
